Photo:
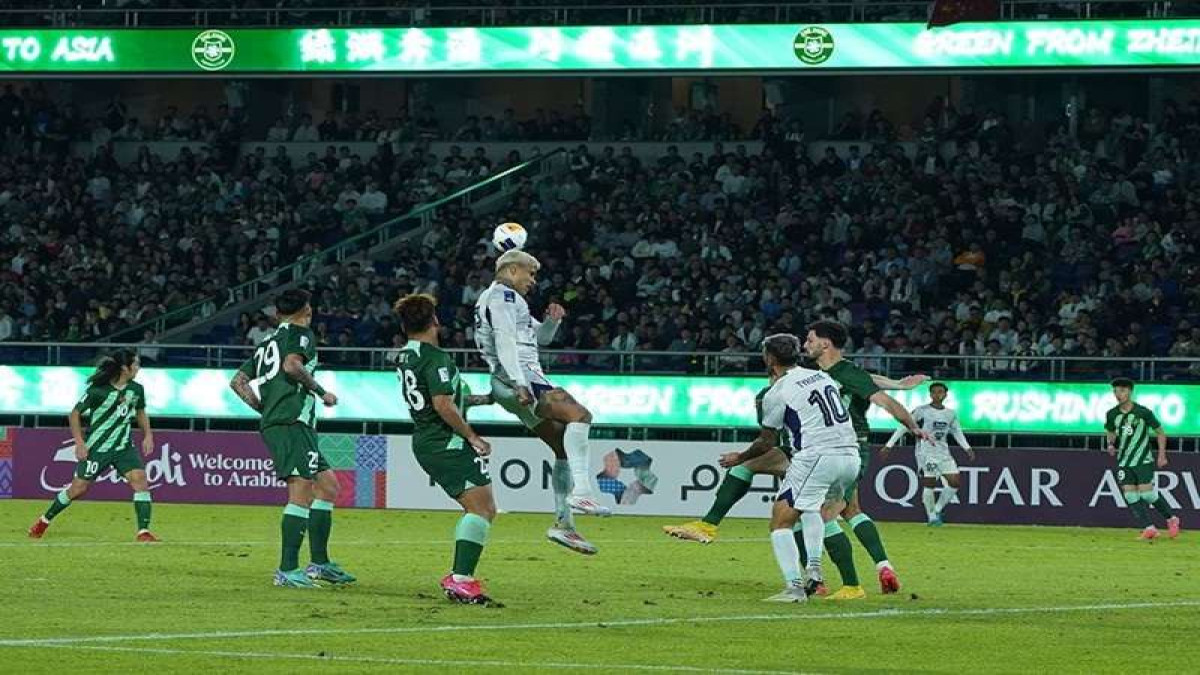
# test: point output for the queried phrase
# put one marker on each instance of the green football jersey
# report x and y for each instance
(857, 388)
(426, 371)
(284, 401)
(1133, 430)
(108, 412)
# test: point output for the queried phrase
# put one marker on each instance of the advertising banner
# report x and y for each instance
(552, 49)
(621, 400)
(664, 478)
(197, 467)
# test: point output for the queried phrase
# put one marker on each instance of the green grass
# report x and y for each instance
(565, 611)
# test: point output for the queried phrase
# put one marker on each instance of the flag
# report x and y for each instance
(947, 12)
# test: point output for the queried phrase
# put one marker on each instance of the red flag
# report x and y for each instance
(947, 12)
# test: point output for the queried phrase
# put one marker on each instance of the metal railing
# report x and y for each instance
(419, 217)
(569, 14)
(1034, 368)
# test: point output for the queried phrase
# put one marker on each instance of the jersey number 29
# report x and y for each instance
(267, 358)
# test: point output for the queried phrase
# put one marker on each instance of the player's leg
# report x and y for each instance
(470, 537)
(563, 531)
(865, 529)
(929, 485)
(85, 473)
(783, 518)
(841, 553)
(950, 485)
(732, 489)
(320, 527)
(810, 483)
(558, 405)
(1150, 496)
(296, 464)
(1130, 488)
(141, 503)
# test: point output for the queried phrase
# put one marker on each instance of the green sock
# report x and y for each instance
(320, 522)
(798, 533)
(470, 535)
(868, 535)
(1156, 500)
(295, 520)
(837, 544)
(1137, 508)
(60, 502)
(141, 507)
(735, 486)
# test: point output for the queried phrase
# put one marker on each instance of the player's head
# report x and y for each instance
(121, 364)
(938, 392)
(518, 270)
(418, 313)
(824, 336)
(1122, 389)
(293, 306)
(781, 351)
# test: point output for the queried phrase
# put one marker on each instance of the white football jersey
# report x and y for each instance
(806, 406)
(941, 424)
(500, 309)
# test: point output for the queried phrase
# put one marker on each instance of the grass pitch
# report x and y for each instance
(975, 599)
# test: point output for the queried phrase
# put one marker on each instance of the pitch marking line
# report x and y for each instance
(524, 665)
(618, 623)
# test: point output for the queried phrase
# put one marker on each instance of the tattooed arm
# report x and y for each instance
(240, 384)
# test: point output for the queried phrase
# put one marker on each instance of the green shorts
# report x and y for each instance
(293, 448)
(455, 470)
(864, 453)
(1142, 474)
(123, 461)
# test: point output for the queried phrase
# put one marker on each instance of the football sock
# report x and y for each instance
(841, 553)
(141, 507)
(868, 535)
(575, 442)
(786, 554)
(734, 486)
(320, 523)
(798, 532)
(814, 531)
(470, 535)
(295, 521)
(560, 480)
(1137, 508)
(929, 499)
(947, 493)
(1158, 502)
(59, 503)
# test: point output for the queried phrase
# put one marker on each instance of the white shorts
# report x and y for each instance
(504, 395)
(813, 479)
(934, 464)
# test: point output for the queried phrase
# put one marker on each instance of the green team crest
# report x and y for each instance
(213, 50)
(813, 45)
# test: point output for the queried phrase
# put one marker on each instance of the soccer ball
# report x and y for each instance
(509, 236)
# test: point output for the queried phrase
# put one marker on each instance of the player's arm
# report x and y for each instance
(478, 399)
(767, 439)
(899, 412)
(548, 328)
(293, 365)
(896, 437)
(444, 405)
(1110, 432)
(143, 422)
(959, 437)
(1161, 435)
(240, 384)
(75, 419)
(903, 384)
(502, 314)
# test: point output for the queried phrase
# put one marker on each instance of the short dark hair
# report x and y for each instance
(292, 301)
(832, 331)
(417, 312)
(783, 347)
(938, 384)
(1123, 382)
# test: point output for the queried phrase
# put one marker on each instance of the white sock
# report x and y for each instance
(787, 554)
(560, 480)
(930, 501)
(814, 537)
(575, 442)
(945, 497)
(882, 564)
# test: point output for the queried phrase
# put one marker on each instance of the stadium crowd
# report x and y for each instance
(1015, 240)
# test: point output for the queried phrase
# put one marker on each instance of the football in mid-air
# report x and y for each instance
(509, 236)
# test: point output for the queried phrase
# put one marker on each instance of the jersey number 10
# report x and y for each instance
(831, 406)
